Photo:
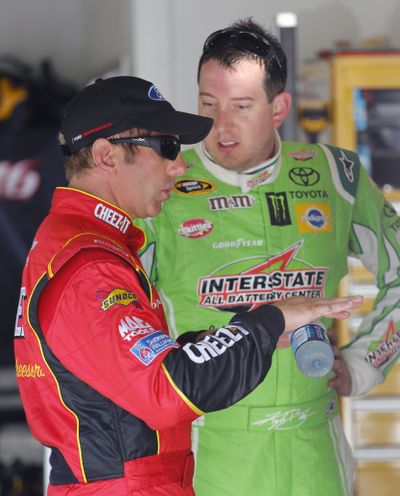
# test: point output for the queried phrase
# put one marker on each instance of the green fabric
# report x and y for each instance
(257, 464)
(215, 250)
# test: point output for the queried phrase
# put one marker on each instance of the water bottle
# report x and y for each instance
(312, 350)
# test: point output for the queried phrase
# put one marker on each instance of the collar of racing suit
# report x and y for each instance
(106, 216)
(260, 174)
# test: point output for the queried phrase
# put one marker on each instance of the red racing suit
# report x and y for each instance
(102, 383)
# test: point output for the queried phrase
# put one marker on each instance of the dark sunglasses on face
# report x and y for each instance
(242, 40)
(165, 145)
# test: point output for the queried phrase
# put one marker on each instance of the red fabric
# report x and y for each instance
(84, 328)
(162, 475)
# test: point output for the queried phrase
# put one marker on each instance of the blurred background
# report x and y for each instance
(344, 73)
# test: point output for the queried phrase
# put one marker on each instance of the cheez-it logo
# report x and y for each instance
(110, 216)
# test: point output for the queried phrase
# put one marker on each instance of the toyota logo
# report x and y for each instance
(304, 176)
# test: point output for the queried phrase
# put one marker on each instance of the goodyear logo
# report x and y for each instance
(313, 217)
(118, 297)
(193, 187)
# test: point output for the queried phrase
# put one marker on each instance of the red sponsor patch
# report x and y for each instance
(195, 228)
(302, 155)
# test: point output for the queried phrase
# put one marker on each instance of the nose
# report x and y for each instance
(177, 167)
(223, 120)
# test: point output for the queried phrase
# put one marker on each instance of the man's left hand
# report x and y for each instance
(341, 382)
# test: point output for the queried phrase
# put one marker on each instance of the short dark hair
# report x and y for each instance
(76, 163)
(230, 52)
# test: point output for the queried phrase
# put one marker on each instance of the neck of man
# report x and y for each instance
(249, 178)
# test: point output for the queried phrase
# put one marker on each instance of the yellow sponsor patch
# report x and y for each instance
(313, 217)
(118, 297)
(32, 370)
(194, 186)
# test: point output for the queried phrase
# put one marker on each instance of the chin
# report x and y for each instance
(153, 212)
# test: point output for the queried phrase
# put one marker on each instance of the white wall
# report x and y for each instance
(168, 34)
(164, 37)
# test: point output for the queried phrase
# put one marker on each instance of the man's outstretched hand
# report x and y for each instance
(301, 310)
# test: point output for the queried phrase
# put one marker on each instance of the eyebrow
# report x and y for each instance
(241, 98)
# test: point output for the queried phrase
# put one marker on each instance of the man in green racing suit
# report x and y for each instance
(241, 230)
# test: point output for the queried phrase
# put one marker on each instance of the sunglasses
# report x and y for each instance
(243, 40)
(165, 145)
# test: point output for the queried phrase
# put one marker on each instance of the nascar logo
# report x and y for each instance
(194, 187)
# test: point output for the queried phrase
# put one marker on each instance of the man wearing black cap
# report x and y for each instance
(102, 383)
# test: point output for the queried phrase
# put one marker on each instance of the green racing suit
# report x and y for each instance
(229, 241)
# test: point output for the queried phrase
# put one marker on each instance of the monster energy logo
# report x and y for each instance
(278, 209)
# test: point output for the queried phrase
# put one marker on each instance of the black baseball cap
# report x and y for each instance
(112, 105)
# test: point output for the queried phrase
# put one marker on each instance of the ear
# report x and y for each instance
(281, 105)
(103, 156)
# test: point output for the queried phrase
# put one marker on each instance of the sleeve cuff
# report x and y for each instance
(363, 376)
(268, 317)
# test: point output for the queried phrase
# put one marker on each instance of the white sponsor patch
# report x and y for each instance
(149, 347)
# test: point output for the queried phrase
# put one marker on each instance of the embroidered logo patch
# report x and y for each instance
(195, 228)
(278, 207)
(385, 349)
(194, 187)
(149, 347)
(313, 217)
(117, 297)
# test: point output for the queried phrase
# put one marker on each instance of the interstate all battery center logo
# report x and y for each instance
(386, 348)
(250, 282)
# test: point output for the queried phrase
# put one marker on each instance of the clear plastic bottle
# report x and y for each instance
(312, 350)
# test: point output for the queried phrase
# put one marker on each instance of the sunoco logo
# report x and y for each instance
(195, 228)
(194, 187)
(304, 176)
(117, 297)
(248, 283)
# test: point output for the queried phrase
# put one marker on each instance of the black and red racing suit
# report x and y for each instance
(102, 383)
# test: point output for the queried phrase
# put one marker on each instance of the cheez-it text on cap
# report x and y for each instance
(110, 106)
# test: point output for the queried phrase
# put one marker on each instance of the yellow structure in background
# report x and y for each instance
(372, 423)
(350, 71)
